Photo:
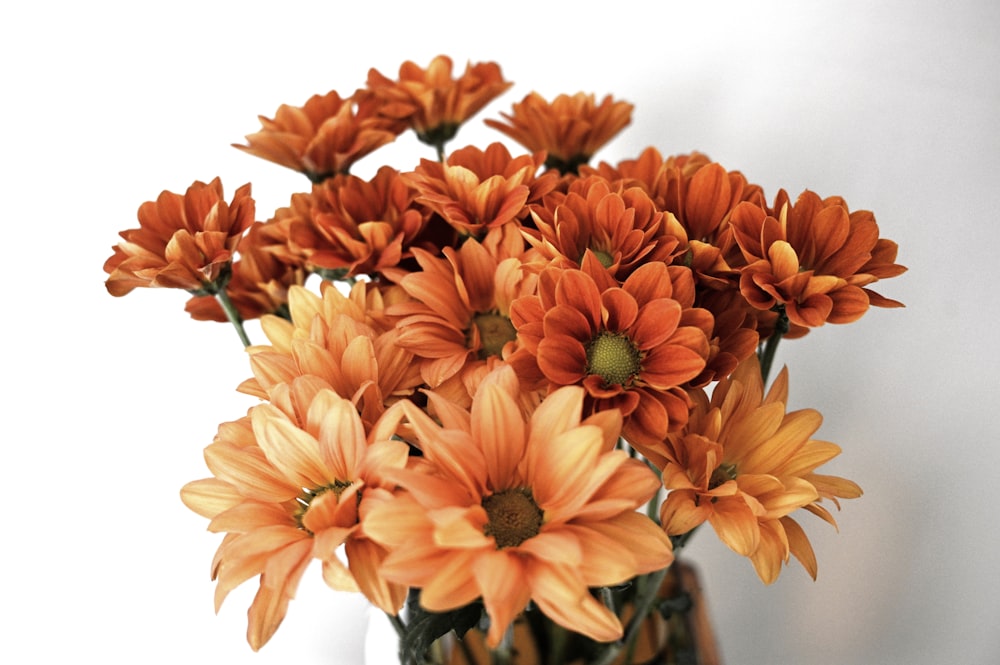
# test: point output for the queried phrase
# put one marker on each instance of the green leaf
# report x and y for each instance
(424, 627)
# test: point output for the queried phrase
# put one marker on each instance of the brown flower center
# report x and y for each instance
(722, 474)
(513, 517)
(613, 357)
(495, 330)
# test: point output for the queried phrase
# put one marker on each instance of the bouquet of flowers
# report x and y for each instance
(522, 381)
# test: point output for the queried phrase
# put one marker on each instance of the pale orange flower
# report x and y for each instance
(286, 489)
(324, 137)
(570, 128)
(184, 241)
(814, 258)
(631, 346)
(475, 190)
(515, 510)
(744, 465)
(432, 101)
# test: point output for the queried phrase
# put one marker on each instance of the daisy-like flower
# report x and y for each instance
(570, 128)
(630, 346)
(598, 227)
(184, 241)
(432, 101)
(358, 227)
(744, 465)
(512, 509)
(814, 258)
(475, 190)
(287, 486)
(459, 313)
(323, 137)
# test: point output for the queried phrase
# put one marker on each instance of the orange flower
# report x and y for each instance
(261, 277)
(570, 128)
(358, 227)
(743, 464)
(630, 347)
(814, 259)
(185, 241)
(459, 316)
(600, 227)
(287, 488)
(512, 509)
(475, 189)
(432, 101)
(323, 137)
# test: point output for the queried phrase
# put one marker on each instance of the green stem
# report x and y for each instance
(233, 315)
(766, 353)
(644, 598)
(504, 653)
(558, 639)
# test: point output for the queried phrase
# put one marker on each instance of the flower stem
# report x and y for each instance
(644, 597)
(233, 315)
(766, 353)
(504, 653)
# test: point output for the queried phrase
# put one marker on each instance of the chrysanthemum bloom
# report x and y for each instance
(630, 346)
(432, 101)
(570, 128)
(744, 465)
(359, 227)
(261, 277)
(475, 190)
(512, 510)
(323, 137)
(346, 340)
(459, 315)
(599, 227)
(289, 480)
(814, 258)
(184, 241)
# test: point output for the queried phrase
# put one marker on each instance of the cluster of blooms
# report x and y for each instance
(523, 351)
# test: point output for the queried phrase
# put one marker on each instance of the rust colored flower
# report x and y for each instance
(515, 510)
(630, 346)
(287, 488)
(475, 190)
(570, 128)
(459, 315)
(324, 137)
(744, 465)
(432, 101)
(814, 258)
(184, 241)
(599, 227)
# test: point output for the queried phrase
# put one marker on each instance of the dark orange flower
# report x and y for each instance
(814, 258)
(432, 101)
(570, 129)
(323, 137)
(475, 190)
(744, 465)
(184, 241)
(630, 346)
(514, 509)
(287, 487)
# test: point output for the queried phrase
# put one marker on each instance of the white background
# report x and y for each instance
(108, 403)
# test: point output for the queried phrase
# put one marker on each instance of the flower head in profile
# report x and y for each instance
(323, 137)
(570, 128)
(744, 464)
(432, 101)
(513, 509)
(184, 241)
(631, 346)
(288, 482)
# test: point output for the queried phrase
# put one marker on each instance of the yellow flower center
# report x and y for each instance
(309, 495)
(495, 330)
(603, 257)
(613, 357)
(513, 517)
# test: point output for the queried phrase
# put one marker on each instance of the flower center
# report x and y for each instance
(309, 495)
(613, 357)
(495, 330)
(513, 517)
(723, 473)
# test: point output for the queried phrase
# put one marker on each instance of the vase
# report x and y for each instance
(683, 637)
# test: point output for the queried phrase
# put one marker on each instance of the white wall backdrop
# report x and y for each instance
(108, 403)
